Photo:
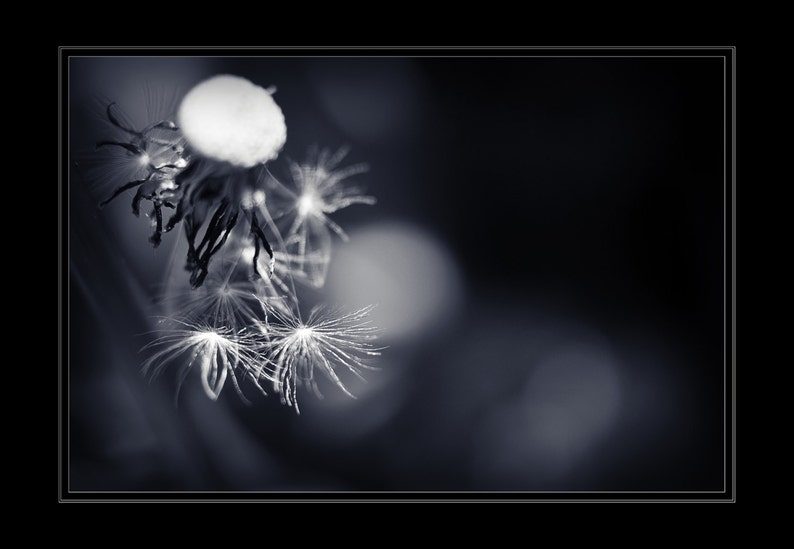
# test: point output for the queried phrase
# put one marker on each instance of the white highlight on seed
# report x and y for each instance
(251, 199)
(230, 119)
(208, 337)
(248, 255)
(307, 205)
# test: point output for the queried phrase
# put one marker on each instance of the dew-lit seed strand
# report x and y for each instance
(352, 363)
(331, 180)
(222, 305)
(329, 370)
(238, 389)
(294, 391)
(334, 227)
(284, 377)
(174, 341)
(277, 280)
(333, 160)
(341, 203)
(263, 211)
(182, 376)
(218, 355)
(323, 342)
(316, 190)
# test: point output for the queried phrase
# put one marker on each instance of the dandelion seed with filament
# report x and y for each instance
(302, 208)
(326, 341)
(219, 353)
(225, 299)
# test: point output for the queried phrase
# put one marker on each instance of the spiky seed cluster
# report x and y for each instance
(242, 319)
(327, 341)
(218, 352)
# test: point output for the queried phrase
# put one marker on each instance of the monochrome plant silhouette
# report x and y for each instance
(202, 170)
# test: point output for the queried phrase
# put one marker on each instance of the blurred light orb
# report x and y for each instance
(230, 119)
(409, 275)
(570, 402)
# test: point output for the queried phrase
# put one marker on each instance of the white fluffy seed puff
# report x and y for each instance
(230, 119)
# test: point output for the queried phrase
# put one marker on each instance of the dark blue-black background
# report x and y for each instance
(547, 253)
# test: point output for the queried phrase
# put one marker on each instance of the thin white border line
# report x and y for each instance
(733, 273)
(396, 56)
(733, 260)
(402, 492)
(69, 272)
(61, 419)
(724, 276)
(386, 48)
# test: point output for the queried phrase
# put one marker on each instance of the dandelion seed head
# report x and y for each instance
(303, 208)
(226, 299)
(230, 119)
(217, 352)
(327, 341)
